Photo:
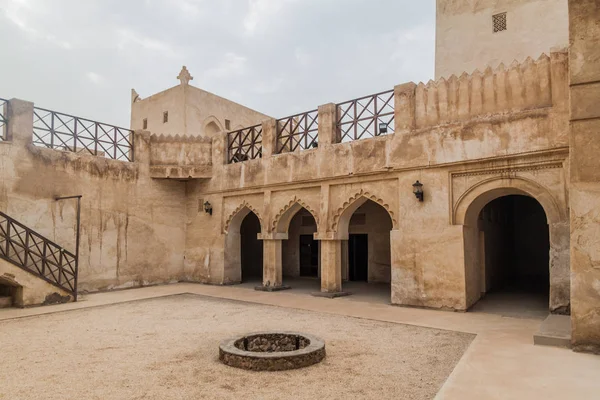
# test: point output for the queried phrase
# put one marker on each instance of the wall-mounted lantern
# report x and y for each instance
(418, 190)
(207, 207)
(383, 128)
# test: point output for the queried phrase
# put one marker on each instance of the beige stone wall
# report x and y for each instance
(132, 227)
(463, 163)
(465, 40)
(192, 112)
(585, 173)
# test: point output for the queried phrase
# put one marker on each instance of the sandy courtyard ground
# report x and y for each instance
(167, 348)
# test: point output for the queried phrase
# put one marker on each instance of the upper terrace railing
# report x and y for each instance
(297, 131)
(61, 131)
(366, 117)
(3, 118)
(244, 144)
(34, 253)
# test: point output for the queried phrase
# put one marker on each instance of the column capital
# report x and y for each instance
(272, 236)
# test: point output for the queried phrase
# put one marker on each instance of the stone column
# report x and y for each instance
(584, 187)
(269, 138)
(331, 268)
(272, 266)
(20, 122)
(328, 133)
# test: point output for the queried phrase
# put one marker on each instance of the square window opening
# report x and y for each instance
(499, 22)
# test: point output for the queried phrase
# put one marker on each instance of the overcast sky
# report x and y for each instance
(277, 56)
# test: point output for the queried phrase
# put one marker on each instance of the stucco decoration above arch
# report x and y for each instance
(467, 208)
(341, 218)
(282, 220)
(234, 221)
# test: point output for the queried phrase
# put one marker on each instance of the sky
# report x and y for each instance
(279, 57)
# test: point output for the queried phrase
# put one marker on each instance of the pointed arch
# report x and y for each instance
(234, 220)
(282, 220)
(341, 218)
(211, 126)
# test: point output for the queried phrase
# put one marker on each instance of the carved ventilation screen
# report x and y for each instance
(499, 21)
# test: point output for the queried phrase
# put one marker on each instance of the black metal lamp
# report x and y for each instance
(207, 207)
(418, 190)
(383, 128)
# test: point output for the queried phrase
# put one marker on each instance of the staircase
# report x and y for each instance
(32, 252)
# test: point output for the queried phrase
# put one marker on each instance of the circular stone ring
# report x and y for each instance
(272, 351)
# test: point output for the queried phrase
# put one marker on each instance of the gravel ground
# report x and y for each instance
(167, 348)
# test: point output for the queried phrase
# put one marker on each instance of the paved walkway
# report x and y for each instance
(501, 363)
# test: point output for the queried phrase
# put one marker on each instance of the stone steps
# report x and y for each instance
(5, 301)
(555, 331)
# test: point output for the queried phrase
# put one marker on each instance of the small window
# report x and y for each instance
(165, 117)
(499, 22)
(145, 123)
(227, 124)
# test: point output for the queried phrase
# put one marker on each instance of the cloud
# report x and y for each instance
(279, 57)
(261, 11)
(127, 38)
(232, 65)
(16, 11)
(94, 77)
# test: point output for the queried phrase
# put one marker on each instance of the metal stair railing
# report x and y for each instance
(38, 255)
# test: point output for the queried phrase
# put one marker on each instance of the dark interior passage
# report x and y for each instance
(252, 248)
(358, 257)
(309, 256)
(516, 246)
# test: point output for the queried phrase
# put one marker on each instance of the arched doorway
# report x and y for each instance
(365, 228)
(251, 249)
(243, 251)
(508, 239)
(300, 252)
(514, 256)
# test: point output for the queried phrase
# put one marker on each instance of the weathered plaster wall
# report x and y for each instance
(584, 16)
(465, 40)
(131, 226)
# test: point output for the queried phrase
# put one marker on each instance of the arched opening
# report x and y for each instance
(513, 248)
(11, 293)
(366, 253)
(251, 249)
(300, 252)
(212, 128)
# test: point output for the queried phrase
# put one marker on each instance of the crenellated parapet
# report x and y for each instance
(180, 157)
(513, 88)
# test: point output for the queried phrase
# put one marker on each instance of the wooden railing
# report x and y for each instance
(297, 132)
(35, 254)
(61, 131)
(244, 144)
(366, 117)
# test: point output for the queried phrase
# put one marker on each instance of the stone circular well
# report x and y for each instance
(272, 351)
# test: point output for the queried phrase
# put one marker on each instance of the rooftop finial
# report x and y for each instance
(184, 76)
